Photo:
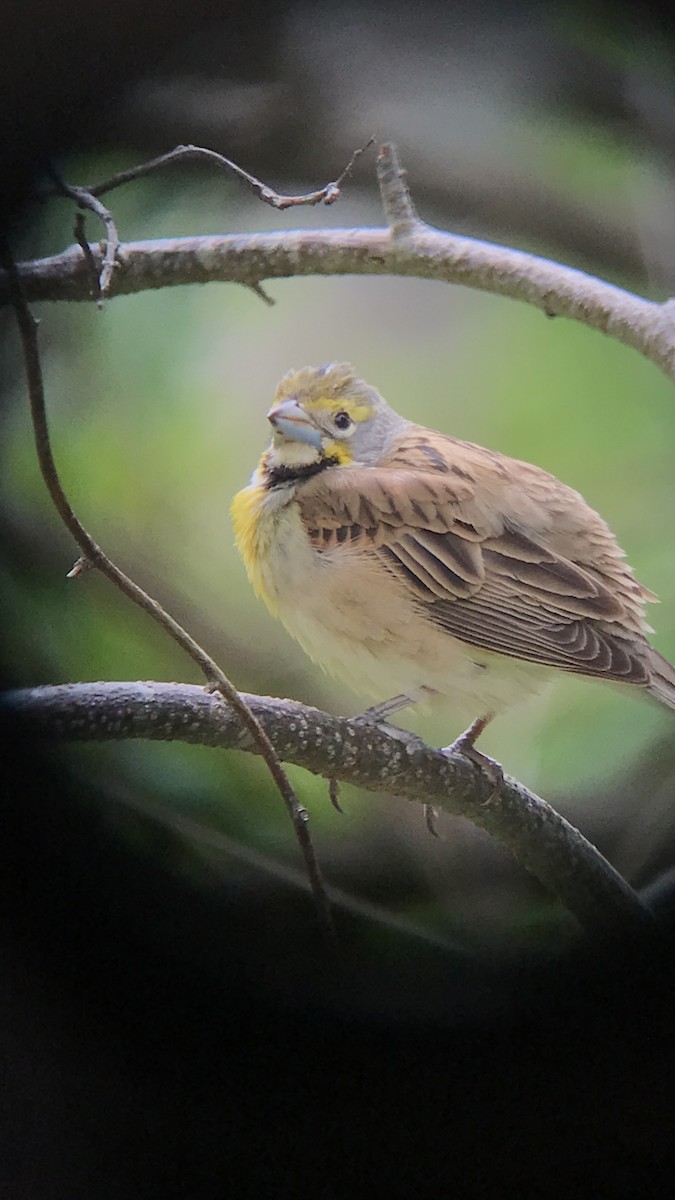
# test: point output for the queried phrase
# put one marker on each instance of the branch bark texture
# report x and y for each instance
(411, 250)
(376, 758)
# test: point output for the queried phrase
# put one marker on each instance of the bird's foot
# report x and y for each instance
(380, 713)
(465, 745)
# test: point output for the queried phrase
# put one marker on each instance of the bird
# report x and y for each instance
(419, 567)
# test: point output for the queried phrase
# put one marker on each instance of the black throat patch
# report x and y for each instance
(278, 475)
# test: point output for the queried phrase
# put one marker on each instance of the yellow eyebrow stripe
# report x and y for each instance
(358, 411)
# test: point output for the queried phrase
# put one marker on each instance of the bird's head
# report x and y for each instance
(327, 415)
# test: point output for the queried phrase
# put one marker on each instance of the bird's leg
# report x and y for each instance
(465, 745)
(382, 712)
(387, 708)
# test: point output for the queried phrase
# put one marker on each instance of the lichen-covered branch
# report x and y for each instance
(373, 757)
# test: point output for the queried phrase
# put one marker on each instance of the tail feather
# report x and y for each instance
(662, 686)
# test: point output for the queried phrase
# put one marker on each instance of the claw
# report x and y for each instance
(334, 793)
(465, 745)
(431, 817)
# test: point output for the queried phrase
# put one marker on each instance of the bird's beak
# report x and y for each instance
(292, 422)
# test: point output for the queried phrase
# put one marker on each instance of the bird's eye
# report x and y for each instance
(342, 420)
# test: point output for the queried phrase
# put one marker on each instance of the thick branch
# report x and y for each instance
(372, 757)
(406, 247)
(426, 254)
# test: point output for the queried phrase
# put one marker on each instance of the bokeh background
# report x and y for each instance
(547, 127)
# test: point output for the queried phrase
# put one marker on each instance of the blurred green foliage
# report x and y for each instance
(157, 410)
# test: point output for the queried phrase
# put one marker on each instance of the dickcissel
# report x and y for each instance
(414, 565)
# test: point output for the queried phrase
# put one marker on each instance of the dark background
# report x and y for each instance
(156, 1040)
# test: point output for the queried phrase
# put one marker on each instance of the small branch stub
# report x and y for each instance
(80, 567)
(396, 200)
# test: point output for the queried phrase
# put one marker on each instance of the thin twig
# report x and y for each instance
(369, 756)
(328, 194)
(80, 235)
(87, 200)
(94, 556)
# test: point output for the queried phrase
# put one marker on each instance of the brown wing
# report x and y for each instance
(457, 540)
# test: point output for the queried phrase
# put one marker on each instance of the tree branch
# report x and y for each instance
(87, 200)
(376, 758)
(406, 247)
(94, 556)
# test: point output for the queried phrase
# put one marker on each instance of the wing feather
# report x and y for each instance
(456, 540)
(439, 562)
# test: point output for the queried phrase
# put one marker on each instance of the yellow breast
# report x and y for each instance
(253, 531)
(279, 558)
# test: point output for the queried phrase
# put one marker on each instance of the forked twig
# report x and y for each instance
(87, 198)
(404, 247)
(93, 555)
(87, 201)
(81, 239)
